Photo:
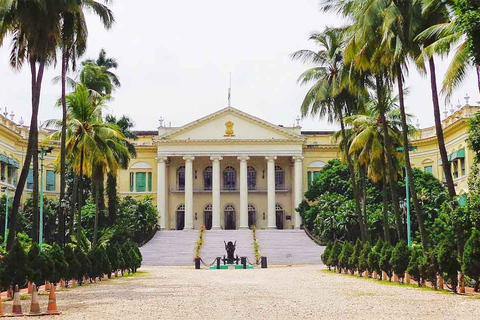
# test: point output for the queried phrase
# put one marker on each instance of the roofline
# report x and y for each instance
(146, 132)
(314, 133)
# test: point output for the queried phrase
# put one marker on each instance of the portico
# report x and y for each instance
(229, 170)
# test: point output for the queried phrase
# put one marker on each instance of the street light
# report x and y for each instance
(43, 151)
(5, 189)
(407, 196)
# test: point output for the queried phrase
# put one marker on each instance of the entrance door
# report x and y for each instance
(279, 216)
(181, 217)
(207, 216)
(252, 216)
(230, 218)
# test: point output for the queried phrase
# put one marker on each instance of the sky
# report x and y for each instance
(175, 58)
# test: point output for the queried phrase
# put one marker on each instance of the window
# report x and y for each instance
(3, 167)
(428, 169)
(207, 178)
(141, 182)
(279, 178)
(312, 177)
(10, 172)
(181, 178)
(150, 178)
(50, 181)
(251, 178)
(455, 169)
(132, 178)
(462, 165)
(229, 178)
(30, 179)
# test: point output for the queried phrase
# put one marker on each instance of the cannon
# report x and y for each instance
(230, 258)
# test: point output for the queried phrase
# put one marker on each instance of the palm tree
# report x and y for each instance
(107, 64)
(330, 95)
(73, 45)
(125, 125)
(35, 30)
(92, 145)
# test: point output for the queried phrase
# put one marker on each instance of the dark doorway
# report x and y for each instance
(279, 216)
(230, 218)
(252, 216)
(181, 217)
(207, 216)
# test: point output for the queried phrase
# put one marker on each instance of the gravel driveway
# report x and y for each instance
(276, 293)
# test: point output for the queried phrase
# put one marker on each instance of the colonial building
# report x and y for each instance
(231, 170)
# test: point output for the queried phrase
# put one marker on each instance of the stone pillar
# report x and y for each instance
(298, 189)
(271, 216)
(162, 191)
(243, 193)
(216, 192)
(188, 192)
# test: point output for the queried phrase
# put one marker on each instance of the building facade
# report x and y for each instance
(231, 170)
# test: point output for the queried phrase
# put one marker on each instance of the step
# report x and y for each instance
(170, 248)
(287, 247)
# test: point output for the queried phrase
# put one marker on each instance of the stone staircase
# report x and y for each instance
(288, 247)
(170, 248)
(213, 245)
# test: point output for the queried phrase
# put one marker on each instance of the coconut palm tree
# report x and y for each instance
(92, 145)
(125, 125)
(73, 45)
(35, 32)
(330, 95)
(107, 64)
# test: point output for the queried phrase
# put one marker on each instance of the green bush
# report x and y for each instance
(374, 258)
(334, 254)
(363, 258)
(448, 263)
(326, 254)
(471, 258)
(414, 265)
(353, 261)
(115, 257)
(429, 267)
(400, 259)
(385, 257)
(72, 262)
(84, 265)
(343, 259)
(60, 265)
(15, 266)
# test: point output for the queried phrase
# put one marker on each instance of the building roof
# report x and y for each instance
(316, 133)
(146, 132)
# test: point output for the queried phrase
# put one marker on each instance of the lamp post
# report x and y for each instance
(407, 196)
(43, 151)
(5, 189)
(64, 205)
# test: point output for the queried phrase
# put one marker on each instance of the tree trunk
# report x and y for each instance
(112, 198)
(477, 67)
(61, 216)
(97, 196)
(439, 130)
(364, 195)
(36, 81)
(80, 200)
(35, 197)
(408, 166)
(356, 192)
(73, 205)
(388, 158)
(386, 227)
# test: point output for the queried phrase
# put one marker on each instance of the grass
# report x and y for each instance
(390, 283)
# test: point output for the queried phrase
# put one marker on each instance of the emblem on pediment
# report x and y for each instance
(229, 129)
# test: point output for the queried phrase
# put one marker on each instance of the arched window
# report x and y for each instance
(279, 178)
(207, 178)
(251, 178)
(278, 207)
(229, 178)
(230, 218)
(180, 217)
(279, 215)
(207, 216)
(252, 215)
(181, 178)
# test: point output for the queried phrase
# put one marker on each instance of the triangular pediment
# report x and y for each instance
(231, 124)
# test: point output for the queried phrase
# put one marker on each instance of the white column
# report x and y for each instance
(271, 216)
(162, 191)
(216, 192)
(298, 189)
(188, 192)
(243, 193)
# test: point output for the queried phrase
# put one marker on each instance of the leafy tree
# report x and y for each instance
(60, 265)
(414, 265)
(474, 135)
(84, 264)
(471, 258)
(73, 264)
(326, 254)
(343, 259)
(15, 262)
(467, 14)
(429, 266)
(334, 178)
(448, 263)
(363, 258)
(385, 257)
(35, 266)
(400, 259)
